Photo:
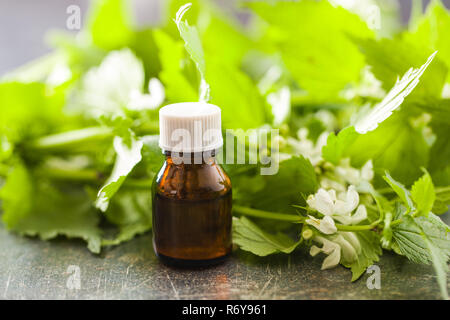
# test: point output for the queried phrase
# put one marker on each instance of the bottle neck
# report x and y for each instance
(190, 158)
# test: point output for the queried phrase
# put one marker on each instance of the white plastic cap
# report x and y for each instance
(190, 127)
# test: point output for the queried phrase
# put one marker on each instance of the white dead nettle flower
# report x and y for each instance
(344, 246)
(117, 84)
(325, 225)
(272, 75)
(140, 101)
(306, 147)
(352, 175)
(327, 183)
(350, 246)
(281, 104)
(59, 74)
(331, 249)
(369, 86)
(327, 118)
(340, 207)
(446, 91)
(344, 174)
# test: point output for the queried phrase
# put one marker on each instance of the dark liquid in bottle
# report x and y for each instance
(197, 232)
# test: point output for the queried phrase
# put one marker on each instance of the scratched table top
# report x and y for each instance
(65, 269)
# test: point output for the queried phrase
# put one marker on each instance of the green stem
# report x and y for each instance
(147, 129)
(138, 183)
(295, 219)
(267, 214)
(385, 190)
(442, 189)
(342, 227)
(396, 222)
(90, 176)
(68, 139)
(86, 175)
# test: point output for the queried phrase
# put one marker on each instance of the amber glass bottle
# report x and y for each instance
(191, 192)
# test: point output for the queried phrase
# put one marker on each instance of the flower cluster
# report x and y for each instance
(336, 203)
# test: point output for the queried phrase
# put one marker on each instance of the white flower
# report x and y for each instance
(349, 245)
(354, 176)
(344, 247)
(323, 201)
(116, 85)
(59, 74)
(347, 201)
(272, 75)
(333, 250)
(140, 101)
(306, 147)
(339, 207)
(357, 217)
(325, 225)
(281, 104)
(327, 183)
(446, 91)
(368, 86)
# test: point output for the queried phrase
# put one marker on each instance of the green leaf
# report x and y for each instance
(232, 45)
(442, 200)
(312, 37)
(178, 85)
(131, 212)
(249, 237)
(439, 109)
(29, 110)
(191, 39)
(245, 108)
(242, 105)
(439, 260)
(109, 24)
(423, 195)
(79, 55)
(401, 191)
(144, 46)
(425, 240)
(440, 150)
(193, 45)
(127, 158)
(36, 208)
(390, 147)
(362, 142)
(391, 58)
(278, 192)
(336, 145)
(432, 30)
(393, 99)
(152, 154)
(370, 253)
(16, 195)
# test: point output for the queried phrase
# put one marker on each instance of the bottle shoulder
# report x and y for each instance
(192, 181)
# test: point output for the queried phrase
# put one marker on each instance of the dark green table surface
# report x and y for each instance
(34, 269)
